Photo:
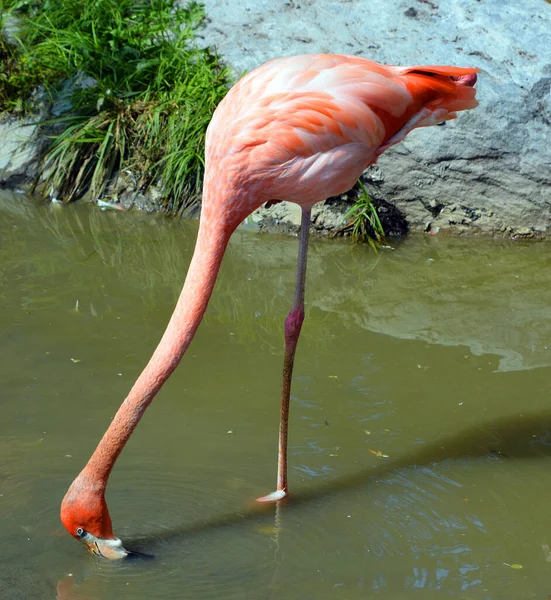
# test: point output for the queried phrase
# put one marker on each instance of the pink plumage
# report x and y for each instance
(304, 128)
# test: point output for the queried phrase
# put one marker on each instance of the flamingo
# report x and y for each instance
(297, 129)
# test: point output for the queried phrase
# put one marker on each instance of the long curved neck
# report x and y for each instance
(190, 308)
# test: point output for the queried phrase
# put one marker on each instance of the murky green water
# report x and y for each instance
(421, 417)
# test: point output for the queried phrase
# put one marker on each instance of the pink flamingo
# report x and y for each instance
(299, 129)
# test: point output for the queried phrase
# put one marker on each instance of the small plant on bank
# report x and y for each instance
(136, 94)
(362, 221)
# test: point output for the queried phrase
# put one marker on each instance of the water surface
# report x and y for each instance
(421, 414)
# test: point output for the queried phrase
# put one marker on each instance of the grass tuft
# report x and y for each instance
(362, 221)
(135, 94)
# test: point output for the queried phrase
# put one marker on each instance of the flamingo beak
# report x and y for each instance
(110, 549)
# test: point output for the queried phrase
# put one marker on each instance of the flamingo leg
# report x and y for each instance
(293, 325)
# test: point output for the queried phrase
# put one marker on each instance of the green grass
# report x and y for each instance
(16, 83)
(20, 75)
(362, 221)
(137, 94)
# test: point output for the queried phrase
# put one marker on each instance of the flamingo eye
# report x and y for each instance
(80, 531)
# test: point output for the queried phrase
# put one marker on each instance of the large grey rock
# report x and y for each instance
(489, 171)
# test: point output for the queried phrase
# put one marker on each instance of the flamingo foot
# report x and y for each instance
(273, 497)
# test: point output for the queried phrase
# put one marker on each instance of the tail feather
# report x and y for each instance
(441, 89)
(440, 70)
(438, 93)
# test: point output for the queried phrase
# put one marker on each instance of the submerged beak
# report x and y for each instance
(111, 549)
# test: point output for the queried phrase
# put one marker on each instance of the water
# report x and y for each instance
(421, 418)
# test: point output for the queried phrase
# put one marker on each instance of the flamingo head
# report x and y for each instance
(85, 515)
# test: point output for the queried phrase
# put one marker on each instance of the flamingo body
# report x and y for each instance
(304, 128)
(299, 129)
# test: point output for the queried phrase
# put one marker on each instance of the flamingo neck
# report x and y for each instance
(189, 310)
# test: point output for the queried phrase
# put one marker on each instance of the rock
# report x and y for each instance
(285, 217)
(487, 172)
(328, 218)
(19, 151)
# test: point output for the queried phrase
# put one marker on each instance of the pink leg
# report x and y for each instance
(293, 325)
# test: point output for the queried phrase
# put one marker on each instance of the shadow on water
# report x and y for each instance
(509, 438)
